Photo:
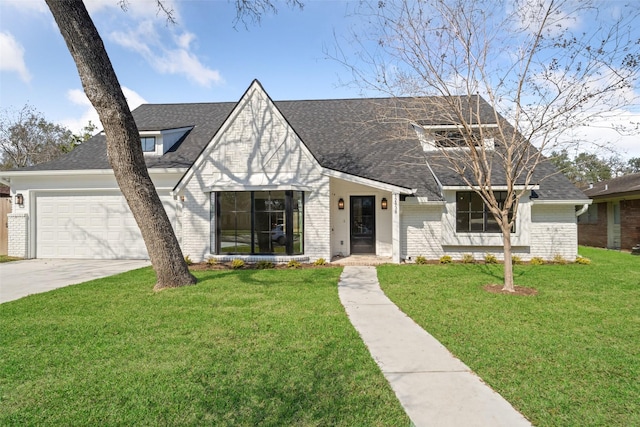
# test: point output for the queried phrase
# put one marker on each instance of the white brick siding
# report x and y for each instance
(554, 231)
(255, 151)
(551, 231)
(18, 235)
(421, 229)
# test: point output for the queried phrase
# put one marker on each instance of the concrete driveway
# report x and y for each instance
(21, 278)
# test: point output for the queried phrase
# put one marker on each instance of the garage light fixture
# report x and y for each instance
(383, 204)
(341, 203)
(19, 199)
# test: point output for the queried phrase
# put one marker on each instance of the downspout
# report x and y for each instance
(583, 209)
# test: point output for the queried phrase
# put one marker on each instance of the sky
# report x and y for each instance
(206, 56)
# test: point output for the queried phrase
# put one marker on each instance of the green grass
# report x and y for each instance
(569, 356)
(5, 258)
(254, 347)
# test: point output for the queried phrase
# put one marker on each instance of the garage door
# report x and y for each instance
(93, 226)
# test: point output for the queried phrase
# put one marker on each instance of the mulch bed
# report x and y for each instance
(203, 266)
(519, 290)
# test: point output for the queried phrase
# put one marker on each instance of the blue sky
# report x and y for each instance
(203, 58)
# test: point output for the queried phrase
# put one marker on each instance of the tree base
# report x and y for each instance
(519, 290)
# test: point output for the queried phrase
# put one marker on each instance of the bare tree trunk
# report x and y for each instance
(123, 141)
(508, 264)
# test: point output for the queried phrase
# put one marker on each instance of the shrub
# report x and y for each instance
(212, 261)
(559, 259)
(582, 260)
(320, 261)
(263, 265)
(490, 259)
(536, 260)
(468, 259)
(421, 260)
(237, 264)
(516, 260)
(446, 259)
(188, 260)
(293, 264)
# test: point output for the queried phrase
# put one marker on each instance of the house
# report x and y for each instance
(5, 209)
(613, 220)
(258, 179)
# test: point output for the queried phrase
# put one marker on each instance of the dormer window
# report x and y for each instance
(148, 144)
(450, 137)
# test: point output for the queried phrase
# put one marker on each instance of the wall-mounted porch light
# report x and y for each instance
(19, 199)
(383, 203)
(341, 203)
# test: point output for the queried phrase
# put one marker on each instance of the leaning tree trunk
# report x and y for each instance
(123, 141)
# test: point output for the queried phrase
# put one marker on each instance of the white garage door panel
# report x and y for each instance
(95, 226)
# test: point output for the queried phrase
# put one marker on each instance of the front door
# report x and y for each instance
(363, 225)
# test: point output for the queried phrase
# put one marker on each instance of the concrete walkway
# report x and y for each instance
(435, 388)
(21, 278)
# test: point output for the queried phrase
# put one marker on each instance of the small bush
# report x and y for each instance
(536, 260)
(188, 260)
(516, 260)
(237, 264)
(468, 259)
(446, 259)
(212, 261)
(320, 261)
(264, 265)
(490, 259)
(293, 264)
(559, 259)
(582, 260)
(421, 260)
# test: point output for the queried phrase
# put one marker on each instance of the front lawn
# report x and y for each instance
(569, 356)
(253, 347)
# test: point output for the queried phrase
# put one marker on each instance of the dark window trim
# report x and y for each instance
(500, 195)
(289, 208)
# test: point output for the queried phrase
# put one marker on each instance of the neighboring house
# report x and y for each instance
(613, 220)
(283, 180)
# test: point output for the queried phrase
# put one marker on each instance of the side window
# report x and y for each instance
(148, 144)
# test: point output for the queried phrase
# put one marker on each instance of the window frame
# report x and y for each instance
(144, 139)
(489, 223)
(293, 205)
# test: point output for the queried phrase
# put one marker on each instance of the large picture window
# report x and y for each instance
(472, 215)
(260, 222)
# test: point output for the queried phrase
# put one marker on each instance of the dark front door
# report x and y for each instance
(363, 225)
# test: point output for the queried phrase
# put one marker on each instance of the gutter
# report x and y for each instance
(583, 209)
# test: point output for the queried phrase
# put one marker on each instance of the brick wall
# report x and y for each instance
(595, 234)
(630, 223)
(18, 235)
(257, 151)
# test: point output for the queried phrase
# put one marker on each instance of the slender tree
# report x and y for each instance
(101, 86)
(539, 66)
(123, 141)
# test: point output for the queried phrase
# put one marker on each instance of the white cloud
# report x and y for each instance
(168, 57)
(12, 54)
(27, 5)
(78, 97)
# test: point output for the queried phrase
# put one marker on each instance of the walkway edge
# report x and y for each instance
(434, 387)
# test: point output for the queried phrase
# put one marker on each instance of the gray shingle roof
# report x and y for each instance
(369, 138)
(616, 186)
